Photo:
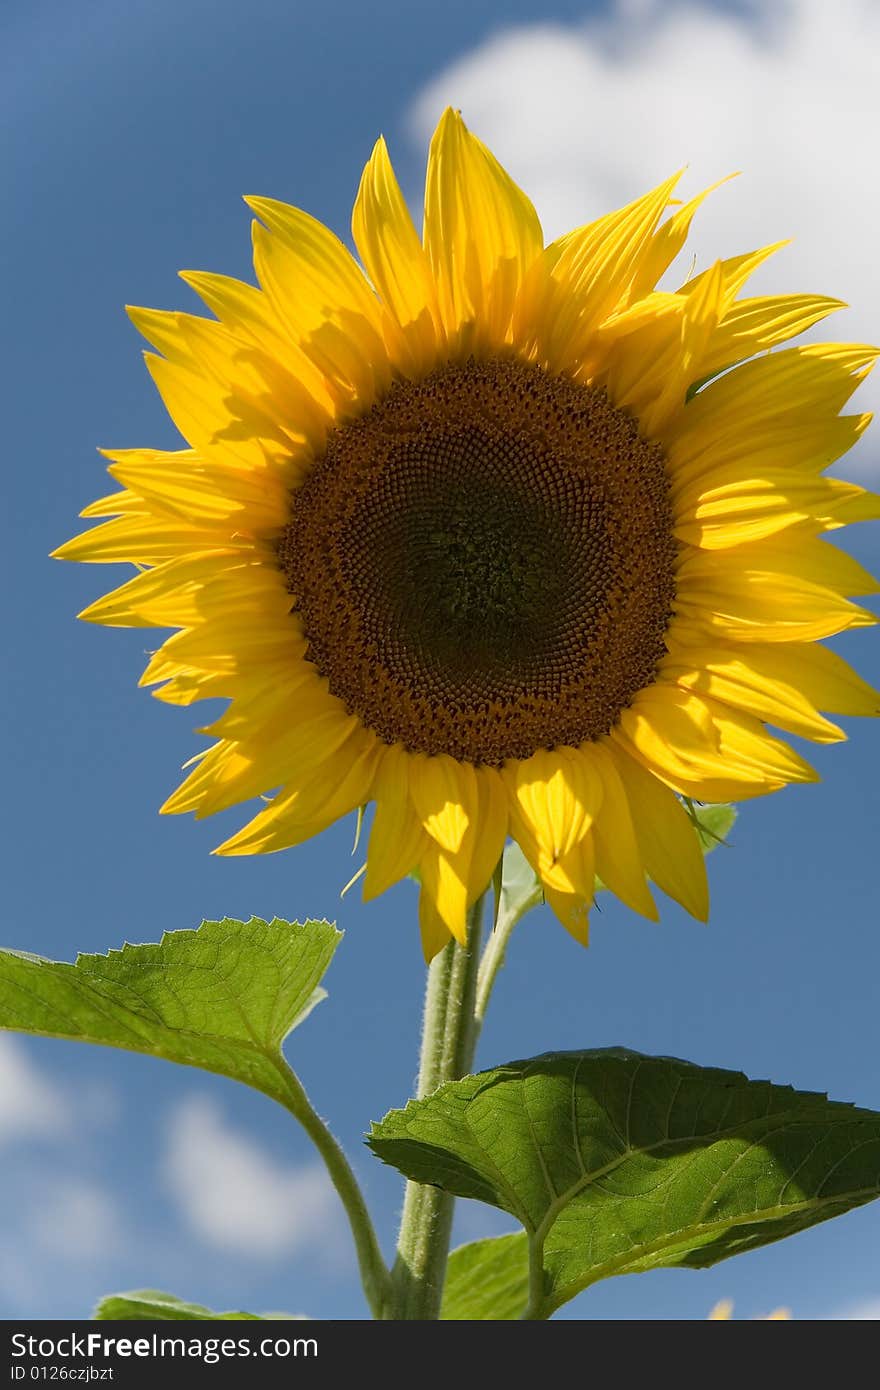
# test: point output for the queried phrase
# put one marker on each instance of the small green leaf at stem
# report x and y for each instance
(713, 824)
(520, 887)
(222, 998)
(522, 891)
(614, 1162)
(487, 1281)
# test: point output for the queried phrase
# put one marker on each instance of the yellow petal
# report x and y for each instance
(668, 846)
(736, 270)
(169, 594)
(667, 242)
(220, 777)
(186, 689)
(793, 554)
(722, 1311)
(397, 839)
(755, 679)
(758, 324)
(248, 312)
(238, 644)
(558, 794)
(202, 412)
(824, 678)
(618, 859)
(434, 931)
(320, 295)
(251, 382)
(708, 750)
(553, 873)
(789, 682)
(489, 830)
(815, 379)
(481, 235)
(717, 514)
(389, 246)
(182, 484)
(583, 277)
(754, 604)
(444, 794)
(445, 886)
(634, 354)
(262, 711)
(805, 442)
(571, 911)
(231, 772)
(147, 540)
(699, 320)
(299, 812)
(453, 880)
(116, 504)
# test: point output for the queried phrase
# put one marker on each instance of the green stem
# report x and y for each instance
(374, 1272)
(449, 1039)
(534, 1309)
(493, 959)
(512, 902)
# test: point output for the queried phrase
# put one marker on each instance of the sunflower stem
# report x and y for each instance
(449, 1039)
(375, 1276)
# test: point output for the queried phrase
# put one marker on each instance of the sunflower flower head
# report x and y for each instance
(495, 535)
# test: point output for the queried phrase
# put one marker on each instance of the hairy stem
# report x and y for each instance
(493, 959)
(449, 1038)
(512, 902)
(375, 1276)
(535, 1308)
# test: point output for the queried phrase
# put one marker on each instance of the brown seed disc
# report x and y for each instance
(484, 563)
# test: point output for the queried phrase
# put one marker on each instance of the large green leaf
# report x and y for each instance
(614, 1162)
(149, 1305)
(222, 998)
(487, 1281)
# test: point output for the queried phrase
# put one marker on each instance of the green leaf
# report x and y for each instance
(614, 1162)
(222, 998)
(149, 1305)
(713, 824)
(487, 1281)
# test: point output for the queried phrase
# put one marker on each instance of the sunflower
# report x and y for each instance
(723, 1312)
(493, 534)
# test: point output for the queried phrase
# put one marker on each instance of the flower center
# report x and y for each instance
(484, 563)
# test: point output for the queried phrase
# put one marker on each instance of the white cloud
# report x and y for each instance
(588, 116)
(62, 1238)
(56, 1220)
(31, 1106)
(866, 1311)
(238, 1198)
(76, 1219)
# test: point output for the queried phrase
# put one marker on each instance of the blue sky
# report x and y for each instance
(134, 130)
